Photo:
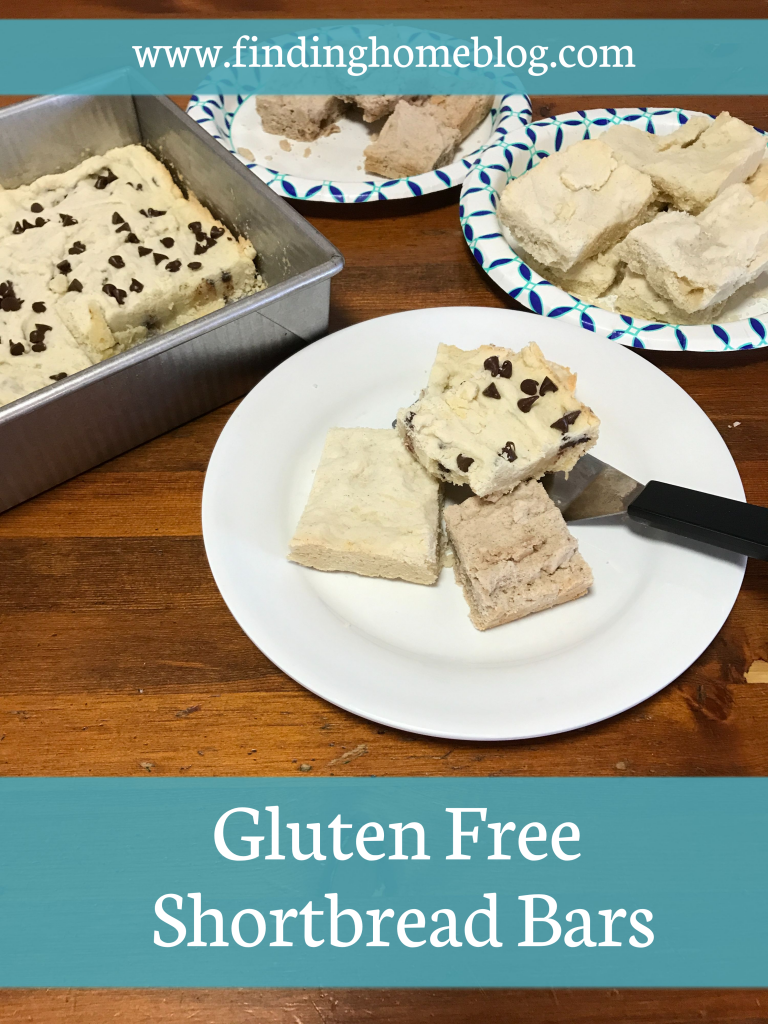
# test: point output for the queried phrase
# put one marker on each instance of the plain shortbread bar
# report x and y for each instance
(575, 204)
(514, 556)
(491, 417)
(96, 259)
(698, 262)
(727, 153)
(373, 510)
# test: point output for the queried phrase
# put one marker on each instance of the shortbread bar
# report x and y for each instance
(588, 280)
(463, 113)
(640, 148)
(635, 297)
(697, 262)
(727, 153)
(514, 556)
(98, 258)
(305, 118)
(373, 510)
(758, 183)
(411, 142)
(491, 417)
(575, 204)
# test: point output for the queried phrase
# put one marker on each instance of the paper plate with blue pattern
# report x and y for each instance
(331, 169)
(744, 327)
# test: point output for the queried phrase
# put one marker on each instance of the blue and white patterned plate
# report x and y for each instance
(520, 150)
(331, 169)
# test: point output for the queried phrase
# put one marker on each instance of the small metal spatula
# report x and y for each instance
(593, 490)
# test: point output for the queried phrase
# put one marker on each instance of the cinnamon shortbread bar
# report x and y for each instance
(98, 258)
(575, 204)
(373, 510)
(305, 118)
(411, 142)
(491, 417)
(514, 556)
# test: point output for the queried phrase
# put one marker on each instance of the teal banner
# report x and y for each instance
(250, 55)
(383, 882)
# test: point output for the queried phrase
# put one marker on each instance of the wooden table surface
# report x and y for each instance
(119, 656)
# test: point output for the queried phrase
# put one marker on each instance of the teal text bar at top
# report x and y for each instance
(247, 55)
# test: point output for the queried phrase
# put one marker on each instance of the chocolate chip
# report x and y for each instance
(201, 236)
(76, 249)
(464, 462)
(211, 242)
(442, 469)
(17, 349)
(149, 212)
(37, 337)
(173, 266)
(547, 385)
(66, 220)
(158, 257)
(136, 286)
(508, 452)
(143, 250)
(116, 218)
(491, 364)
(226, 277)
(200, 249)
(17, 229)
(573, 442)
(526, 404)
(394, 424)
(38, 307)
(195, 226)
(133, 239)
(57, 376)
(74, 285)
(65, 267)
(116, 293)
(506, 369)
(125, 226)
(529, 387)
(40, 222)
(116, 261)
(194, 266)
(106, 179)
(39, 346)
(26, 226)
(409, 418)
(491, 391)
(36, 208)
(168, 242)
(10, 304)
(565, 421)
(217, 232)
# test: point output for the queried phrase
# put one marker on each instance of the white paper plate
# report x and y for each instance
(332, 169)
(406, 655)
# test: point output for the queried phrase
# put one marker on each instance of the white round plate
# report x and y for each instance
(331, 169)
(745, 325)
(407, 655)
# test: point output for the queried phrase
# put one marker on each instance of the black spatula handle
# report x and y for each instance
(728, 524)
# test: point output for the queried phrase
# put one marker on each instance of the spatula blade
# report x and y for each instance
(591, 490)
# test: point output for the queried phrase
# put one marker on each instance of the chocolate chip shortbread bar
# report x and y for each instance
(373, 510)
(98, 258)
(491, 417)
(514, 556)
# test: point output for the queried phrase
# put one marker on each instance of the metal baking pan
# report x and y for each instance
(83, 420)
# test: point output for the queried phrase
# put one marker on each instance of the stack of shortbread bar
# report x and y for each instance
(664, 227)
(420, 132)
(492, 420)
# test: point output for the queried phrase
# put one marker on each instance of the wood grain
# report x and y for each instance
(120, 658)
